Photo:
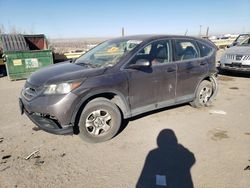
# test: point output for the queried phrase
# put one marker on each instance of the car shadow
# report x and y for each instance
(168, 165)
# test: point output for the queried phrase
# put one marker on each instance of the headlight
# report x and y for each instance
(62, 88)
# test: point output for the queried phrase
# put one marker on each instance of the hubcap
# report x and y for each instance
(98, 122)
(205, 95)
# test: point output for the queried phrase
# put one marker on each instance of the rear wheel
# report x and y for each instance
(100, 121)
(203, 94)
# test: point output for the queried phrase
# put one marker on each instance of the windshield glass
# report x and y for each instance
(241, 38)
(246, 42)
(107, 53)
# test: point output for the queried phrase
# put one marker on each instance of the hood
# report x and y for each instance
(62, 72)
(241, 50)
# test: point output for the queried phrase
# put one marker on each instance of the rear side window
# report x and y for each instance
(204, 49)
(185, 49)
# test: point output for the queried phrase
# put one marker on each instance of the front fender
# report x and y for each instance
(119, 99)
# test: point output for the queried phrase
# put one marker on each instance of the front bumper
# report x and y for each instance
(235, 68)
(53, 117)
(49, 125)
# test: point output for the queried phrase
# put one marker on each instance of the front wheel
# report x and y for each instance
(100, 121)
(203, 94)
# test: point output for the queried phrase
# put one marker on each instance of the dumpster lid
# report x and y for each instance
(13, 42)
(34, 35)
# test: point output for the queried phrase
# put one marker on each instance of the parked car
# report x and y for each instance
(241, 38)
(237, 58)
(119, 79)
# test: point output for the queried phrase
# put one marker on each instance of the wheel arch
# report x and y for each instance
(115, 96)
(213, 80)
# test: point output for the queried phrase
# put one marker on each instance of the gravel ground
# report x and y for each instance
(213, 149)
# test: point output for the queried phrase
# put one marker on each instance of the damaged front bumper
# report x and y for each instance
(46, 123)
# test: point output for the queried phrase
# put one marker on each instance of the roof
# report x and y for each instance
(150, 37)
(154, 36)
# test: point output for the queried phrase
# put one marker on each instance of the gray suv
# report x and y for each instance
(117, 80)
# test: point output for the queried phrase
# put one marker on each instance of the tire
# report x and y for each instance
(100, 121)
(203, 94)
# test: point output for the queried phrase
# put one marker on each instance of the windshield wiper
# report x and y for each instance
(87, 64)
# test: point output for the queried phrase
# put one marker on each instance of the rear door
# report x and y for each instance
(154, 84)
(191, 68)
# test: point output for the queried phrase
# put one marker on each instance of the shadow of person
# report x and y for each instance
(168, 165)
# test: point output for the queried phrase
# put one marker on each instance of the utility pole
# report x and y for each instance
(207, 32)
(123, 33)
(186, 32)
(200, 30)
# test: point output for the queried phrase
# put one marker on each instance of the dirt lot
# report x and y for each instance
(213, 150)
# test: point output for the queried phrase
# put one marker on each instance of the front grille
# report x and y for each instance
(231, 56)
(30, 91)
(238, 57)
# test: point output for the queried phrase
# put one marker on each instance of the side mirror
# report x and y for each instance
(140, 63)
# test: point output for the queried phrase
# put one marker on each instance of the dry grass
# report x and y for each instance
(66, 45)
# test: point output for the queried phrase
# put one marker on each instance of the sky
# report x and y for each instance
(105, 18)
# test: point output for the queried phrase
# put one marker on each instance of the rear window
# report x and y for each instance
(204, 49)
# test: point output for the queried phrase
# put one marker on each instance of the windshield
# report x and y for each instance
(107, 53)
(241, 38)
(246, 42)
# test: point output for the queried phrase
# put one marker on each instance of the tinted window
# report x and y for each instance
(185, 49)
(241, 38)
(156, 52)
(146, 50)
(204, 49)
(246, 42)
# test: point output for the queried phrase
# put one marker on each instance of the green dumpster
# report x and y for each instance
(24, 54)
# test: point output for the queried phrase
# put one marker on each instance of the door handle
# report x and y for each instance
(203, 63)
(171, 70)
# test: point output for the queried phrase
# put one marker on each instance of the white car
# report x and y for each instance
(237, 58)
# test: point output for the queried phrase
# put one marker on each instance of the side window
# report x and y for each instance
(204, 49)
(157, 52)
(185, 49)
(160, 52)
(146, 50)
